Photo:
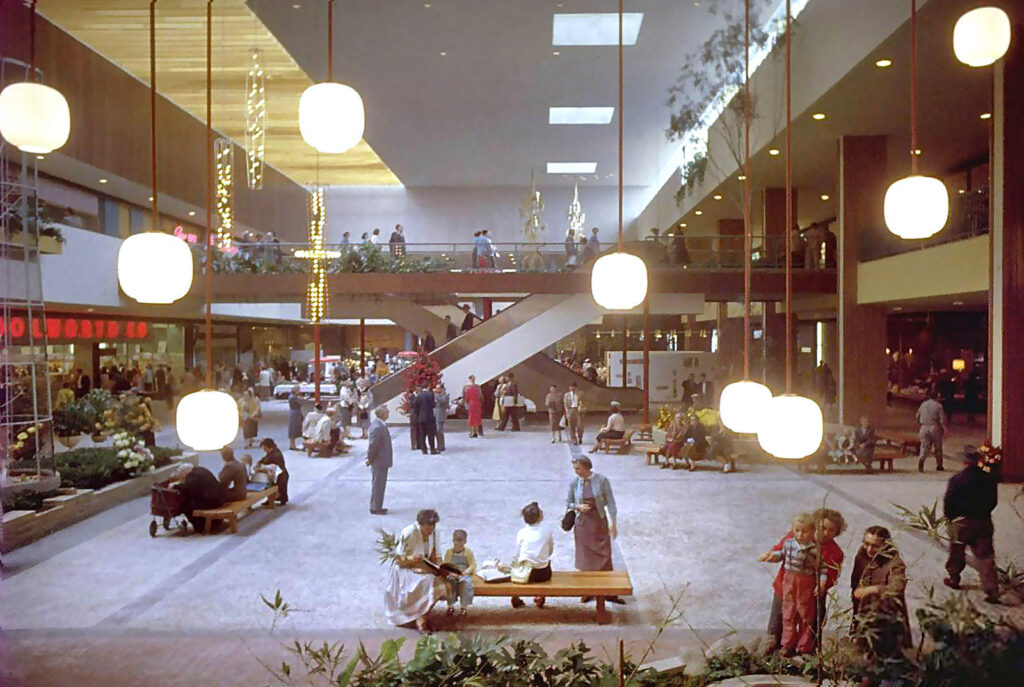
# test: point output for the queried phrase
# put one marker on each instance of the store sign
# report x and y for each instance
(63, 329)
(189, 237)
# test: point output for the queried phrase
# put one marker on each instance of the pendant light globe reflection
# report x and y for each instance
(207, 420)
(618, 281)
(791, 427)
(916, 207)
(981, 36)
(154, 267)
(34, 118)
(331, 117)
(741, 406)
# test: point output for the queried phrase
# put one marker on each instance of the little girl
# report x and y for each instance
(461, 556)
(799, 556)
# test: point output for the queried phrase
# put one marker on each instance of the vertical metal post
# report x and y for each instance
(362, 347)
(625, 348)
(316, 362)
(647, 364)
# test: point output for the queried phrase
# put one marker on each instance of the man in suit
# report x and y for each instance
(425, 419)
(689, 389)
(397, 242)
(573, 405)
(706, 389)
(379, 459)
(467, 321)
(427, 342)
(450, 331)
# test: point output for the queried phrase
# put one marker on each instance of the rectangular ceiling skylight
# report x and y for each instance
(595, 29)
(580, 115)
(572, 167)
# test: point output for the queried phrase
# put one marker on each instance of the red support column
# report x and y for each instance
(488, 308)
(362, 347)
(647, 364)
(625, 348)
(316, 362)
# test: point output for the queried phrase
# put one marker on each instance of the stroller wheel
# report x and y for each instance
(152, 528)
(167, 524)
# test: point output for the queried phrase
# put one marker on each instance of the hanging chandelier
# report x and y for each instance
(224, 156)
(791, 426)
(154, 267)
(331, 114)
(917, 206)
(33, 117)
(981, 36)
(255, 120)
(618, 281)
(741, 402)
(207, 420)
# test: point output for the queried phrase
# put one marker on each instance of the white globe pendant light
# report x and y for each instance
(981, 36)
(207, 420)
(791, 427)
(154, 267)
(741, 406)
(916, 207)
(34, 118)
(618, 281)
(331, 117)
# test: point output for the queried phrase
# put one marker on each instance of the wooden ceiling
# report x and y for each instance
(119, 30)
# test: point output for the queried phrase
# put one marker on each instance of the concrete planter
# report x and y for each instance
(764, 681)
(23, 527)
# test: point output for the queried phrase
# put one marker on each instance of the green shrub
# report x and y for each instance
(95, 468)
(26, 499)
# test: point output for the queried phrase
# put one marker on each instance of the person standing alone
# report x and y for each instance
(425, 405)
(379, 459)
(971, 496)
(572, 404)
(932, 419)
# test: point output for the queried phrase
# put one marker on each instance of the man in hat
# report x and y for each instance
(971, 496)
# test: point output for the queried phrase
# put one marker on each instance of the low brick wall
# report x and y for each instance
(21, 527)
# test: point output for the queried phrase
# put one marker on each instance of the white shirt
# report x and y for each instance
(571, 400)
(309, 425)
(264, 377)
(535, 544)
(375, 239)
(616, 422)
(322, 433)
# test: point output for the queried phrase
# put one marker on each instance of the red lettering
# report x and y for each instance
(70, 328)
(129, 330)
(113, 329)
(143, 330)
(86, 329)
(37, 328)
(17, 327)
(99, 327)
(3, 327)
(53, 328)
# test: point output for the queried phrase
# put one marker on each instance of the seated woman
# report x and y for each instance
(233, 476)
(674, 438)
(413, 588)
(323, 438)
(272, 456)
(720, 447)
(309, 424)
(534, 546)
(695, 443)
(200, 490)
(615, 428)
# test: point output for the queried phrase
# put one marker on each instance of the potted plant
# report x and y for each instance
(94, 407)
(69, 422)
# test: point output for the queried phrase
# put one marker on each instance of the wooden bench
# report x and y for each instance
(622, 445)
(645, 432)
(598, 584)
(652, 452)
(232, 509)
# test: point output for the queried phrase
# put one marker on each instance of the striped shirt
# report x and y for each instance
(800, 558)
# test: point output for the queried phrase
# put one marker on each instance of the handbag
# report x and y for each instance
(569, 519)
(520, 572)
(561, 422)
(508, 402)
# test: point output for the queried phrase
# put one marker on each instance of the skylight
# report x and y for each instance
(572, 167)
(595, 29)
(580, 115)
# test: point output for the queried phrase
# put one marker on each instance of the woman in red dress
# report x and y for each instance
(474, 400)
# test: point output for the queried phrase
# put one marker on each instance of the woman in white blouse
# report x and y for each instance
(413, 589)
(534, 546)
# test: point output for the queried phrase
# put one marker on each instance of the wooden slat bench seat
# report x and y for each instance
(231, 510)
(599, 584)
(622, 445)
(652, 453)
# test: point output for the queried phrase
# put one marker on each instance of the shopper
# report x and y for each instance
(932, 419)
(294, 418)
(472, 396)
(556, 412)
(591, 497)
(250, 411)
(971, 496)
(441, 406)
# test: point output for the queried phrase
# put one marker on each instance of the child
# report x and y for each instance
(799, 584)
(246, 460)
(462, 587)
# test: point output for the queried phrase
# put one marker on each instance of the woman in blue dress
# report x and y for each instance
(294, 418)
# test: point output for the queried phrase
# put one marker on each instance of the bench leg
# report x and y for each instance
(270, 502)
(208, 526)
(233, 520)
(603, 617)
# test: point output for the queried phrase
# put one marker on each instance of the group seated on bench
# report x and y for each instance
(689, 439)
(845, 445)
(320, 435)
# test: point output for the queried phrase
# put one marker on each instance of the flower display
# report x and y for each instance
(133, 453)
(991, 457)
(422, 371)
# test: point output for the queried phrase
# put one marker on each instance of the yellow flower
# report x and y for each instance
(22, 436)
(31, 430)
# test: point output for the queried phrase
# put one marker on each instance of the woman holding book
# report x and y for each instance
(413, 586)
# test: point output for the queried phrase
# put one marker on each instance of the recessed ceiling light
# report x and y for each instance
(682, 224)
(825, 196)
(151, 199)
(717, 197)
(958, 302)
(699, 212)
(962, 191)
(572, 167)
(897, 309)
(742, 177)
(595, 29)
(444, 54)
(818, 116)
(191, 213)
(296, 6)
(580, 115)
(883, 63)
(426, 5)
(103, 181)
(985, 115)
(556, 53)
(40, 157)
(773, 152)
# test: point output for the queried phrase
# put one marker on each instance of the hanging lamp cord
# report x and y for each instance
(32, 42)
(330, 40)
(747, 240)
(152, 111)
(789, 202)
(913, 87)
(620, 126)
(209, 194)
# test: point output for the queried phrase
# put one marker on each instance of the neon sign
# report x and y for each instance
(189, 237)
(73, 329)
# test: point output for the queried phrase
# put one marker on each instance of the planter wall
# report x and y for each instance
(21, 527)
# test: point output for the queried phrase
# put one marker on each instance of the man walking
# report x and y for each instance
(510, 403)
(397, 242)
(971, 496)
(450, 330)
(572, 403)
(378, 458)
(932, 419)
(467, 321)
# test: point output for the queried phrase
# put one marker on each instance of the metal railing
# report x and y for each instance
(968, 217)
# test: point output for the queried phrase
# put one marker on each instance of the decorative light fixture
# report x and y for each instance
(224, 156)
(33, 117)
(741, 402)
(981, 36)
(154, 267)
(331, 114)
(883, 63)
(577, 218)
(317, 292)
(917, 206)
(791, 426)
(959, 364)
(207, 419)
(255, 120)
(618, 281)
(531, 209)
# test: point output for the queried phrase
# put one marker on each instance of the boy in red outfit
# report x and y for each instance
(800, 583)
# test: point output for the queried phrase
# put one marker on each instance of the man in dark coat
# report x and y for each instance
(425, 418)
(427, 342)
(379, 459)
(971, 496)
(450, 331)
(397, 242)
(467, 321)
(201, 490)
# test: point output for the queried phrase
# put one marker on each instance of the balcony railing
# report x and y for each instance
(694, 252)
(968, 217)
